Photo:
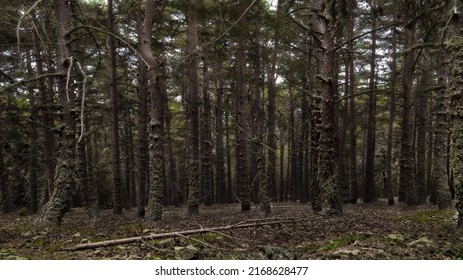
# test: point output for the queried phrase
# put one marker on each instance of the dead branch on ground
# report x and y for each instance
(145, 238)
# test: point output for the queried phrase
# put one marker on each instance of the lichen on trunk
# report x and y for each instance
(455, 48)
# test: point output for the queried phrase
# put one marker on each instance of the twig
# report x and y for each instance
(173, 234)
(82, 105)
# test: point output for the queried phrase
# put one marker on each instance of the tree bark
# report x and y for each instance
(46, 117)
(407, 187)
(143, 167)
(59, 203)
(221, 182)
(455, 49)
(33, 149)
(392, 112)
(3, 185)
(329, 142)
(207, 176)
(194, 189)
(369, 182)
(271, 108)
(242, 114)
(421, 108)
(443, 196)
(115, 144)
(156, 169)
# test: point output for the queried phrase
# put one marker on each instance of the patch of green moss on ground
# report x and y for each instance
(429, 216)
(332, 244)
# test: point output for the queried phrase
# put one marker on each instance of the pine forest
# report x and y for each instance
(231, 129)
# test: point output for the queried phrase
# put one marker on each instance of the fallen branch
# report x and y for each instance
(144, 238)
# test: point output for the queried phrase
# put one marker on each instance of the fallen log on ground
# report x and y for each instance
(245, 224)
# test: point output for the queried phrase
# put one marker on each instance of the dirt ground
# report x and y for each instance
(366, 231)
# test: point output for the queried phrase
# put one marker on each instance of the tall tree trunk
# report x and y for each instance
(91, 197)
(33, 149)
(261, 159)
(242, 113)
(430, 186)
(407, 185)
(221, 182)
(271, 125)
(207, 178)
(455, 49)
(143, 167)
(392, 112)
(281, 196)
(421, 108)
(369, 182)
(175, 188)
(231, 194)
(315, 121)
(46, 117)
(443, 196)
(156, 169)
(3, 188)
(342, 174)
(115, 144)
(329, 142)
(55, 209)
(128, 169)
(194, 190)
(292, 153)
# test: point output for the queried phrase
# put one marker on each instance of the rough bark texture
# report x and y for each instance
(455, 49)
(327, 170)
(142, 159)
(392, 112)
(221, 182)
(421, 108)
(369, 182)
(33, 149)
(407, 187)
(59, 203)
(3, 190)
(271, 107)
(156, 171)
(46, 117)
(242, 114)
(443, 197)
(207, 175)
(194, 190)
(115, 142)
(352, 116)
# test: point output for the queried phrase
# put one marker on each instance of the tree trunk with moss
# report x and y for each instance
(143, 156)
(3, 191)
(441, 180)
(455, 50)
(156, 168)
(331, 203)
(65, 181)
(420, 114)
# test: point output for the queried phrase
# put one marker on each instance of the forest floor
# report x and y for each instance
(366, 231)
